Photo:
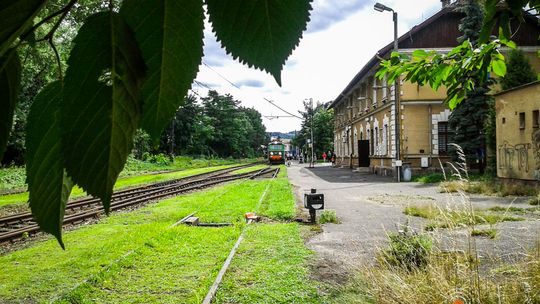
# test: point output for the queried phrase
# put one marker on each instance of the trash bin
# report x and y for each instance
(407, 172)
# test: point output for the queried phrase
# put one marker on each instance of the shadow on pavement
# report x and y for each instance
(345, 175)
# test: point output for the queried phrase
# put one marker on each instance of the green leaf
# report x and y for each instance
(260, 33)
(419, 54)
(499, 67)
(48, 184)
(170, 35)
(101, 103)
(16, 16)
(10, 79)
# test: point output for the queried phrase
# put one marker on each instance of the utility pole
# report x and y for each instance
(381, 8)
(312, 163)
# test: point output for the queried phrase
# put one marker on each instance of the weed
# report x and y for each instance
(489, 233)
(535, 201)
(407, 250)
(328, 216)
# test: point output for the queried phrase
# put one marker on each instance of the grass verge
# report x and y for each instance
(121, 183)
(138, 258)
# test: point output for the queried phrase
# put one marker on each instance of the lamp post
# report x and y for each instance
(381, 8)
(312, 163)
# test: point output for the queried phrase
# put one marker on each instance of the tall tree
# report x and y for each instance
(519, 71)
(323, 133)
(468, 118)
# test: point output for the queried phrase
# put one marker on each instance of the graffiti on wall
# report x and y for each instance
(521, 160)
(536, 152)
(514, 157)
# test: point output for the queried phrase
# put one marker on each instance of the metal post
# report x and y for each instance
(312, 164)
(396, 102)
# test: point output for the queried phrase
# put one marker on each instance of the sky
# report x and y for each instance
(340, 39)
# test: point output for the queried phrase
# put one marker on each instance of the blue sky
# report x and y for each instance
(340, 38)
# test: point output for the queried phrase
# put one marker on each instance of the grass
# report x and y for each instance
(138, 258)
(448, 278)
(250, 169)
(458, 218)
(328, 216)
(269, 267)
(488, 187)
(14, 178)
(121, 183)
(489, 233)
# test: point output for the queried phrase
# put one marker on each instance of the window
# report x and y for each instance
(445, 135)
(536, 118)
(504, 120)
(522, 120)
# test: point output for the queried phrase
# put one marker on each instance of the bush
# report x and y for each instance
(158, 159)
(408, 250)
(328, 216)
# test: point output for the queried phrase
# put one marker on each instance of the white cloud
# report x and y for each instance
(343, 37)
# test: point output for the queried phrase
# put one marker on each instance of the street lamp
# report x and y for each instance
(381, 8)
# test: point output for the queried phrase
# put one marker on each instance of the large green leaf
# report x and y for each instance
(15, 17)
(48, 184)
(101, 103)
(260, 33)
(10, 79)
(170, 34)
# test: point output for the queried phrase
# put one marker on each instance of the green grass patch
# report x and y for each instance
(250, 169)
(279, 203)
(457, 218)
(328, 216)
(121, 183)
(269, 267)
(137, 257)
(489, 233)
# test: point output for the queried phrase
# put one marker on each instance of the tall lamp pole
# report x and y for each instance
(312, 163)
(381, 8)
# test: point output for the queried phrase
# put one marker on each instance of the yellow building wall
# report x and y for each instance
(518, 147)
(415, 92)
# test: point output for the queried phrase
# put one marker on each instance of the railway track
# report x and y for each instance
(16, 226)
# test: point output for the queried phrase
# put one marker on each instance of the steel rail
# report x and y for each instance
(148, 196)
(89, 201)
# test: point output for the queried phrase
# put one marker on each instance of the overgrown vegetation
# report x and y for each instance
(328, 216)
(116, 261)
(459, 216)
(408, 250)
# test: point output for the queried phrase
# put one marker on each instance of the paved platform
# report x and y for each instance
(370, 206)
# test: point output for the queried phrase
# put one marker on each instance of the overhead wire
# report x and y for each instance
(266, 99)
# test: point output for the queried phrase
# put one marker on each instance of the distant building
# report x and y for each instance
(518, 132)
(364, 112)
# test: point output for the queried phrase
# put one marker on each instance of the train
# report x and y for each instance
(276, 152)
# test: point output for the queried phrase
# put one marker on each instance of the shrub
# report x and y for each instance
(328, 216)
(408, 250)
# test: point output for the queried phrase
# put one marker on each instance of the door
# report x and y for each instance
(363, 153)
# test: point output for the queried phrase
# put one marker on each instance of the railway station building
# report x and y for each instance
(364, 112)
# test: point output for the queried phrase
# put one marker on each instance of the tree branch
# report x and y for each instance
(62, 12)
(58, 62)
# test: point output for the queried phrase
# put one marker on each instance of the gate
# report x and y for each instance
(363, 153)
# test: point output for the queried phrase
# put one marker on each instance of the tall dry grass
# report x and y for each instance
(454, 271)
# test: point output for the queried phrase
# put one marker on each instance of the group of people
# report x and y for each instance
(330, 156)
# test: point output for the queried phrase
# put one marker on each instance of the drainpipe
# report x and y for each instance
(430, 124)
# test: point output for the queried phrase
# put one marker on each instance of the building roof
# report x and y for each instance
(517, 88)
(406, 41)
(386, 50)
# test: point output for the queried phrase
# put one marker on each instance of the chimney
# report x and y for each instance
(445, 3)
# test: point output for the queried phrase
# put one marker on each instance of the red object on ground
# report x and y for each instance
(251, 216)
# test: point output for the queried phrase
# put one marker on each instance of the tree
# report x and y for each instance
(468, 118)
(458, 69)
(129, 67)
(323, 129)
(519, 71)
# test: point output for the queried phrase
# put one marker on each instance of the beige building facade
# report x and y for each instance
(365, 111)
(518, 133)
